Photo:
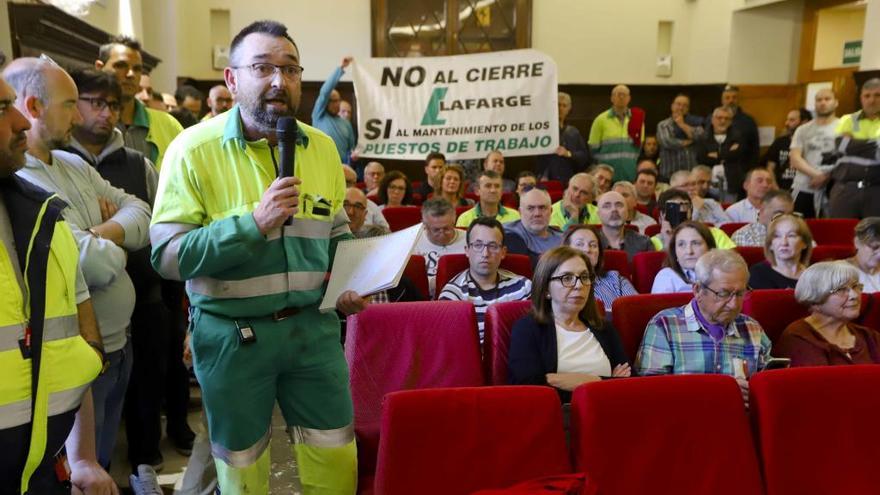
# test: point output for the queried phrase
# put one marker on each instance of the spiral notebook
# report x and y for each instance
(369, 265)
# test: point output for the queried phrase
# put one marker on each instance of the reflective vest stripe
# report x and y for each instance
(57, 328)
(241, 458)
(169, 264)
(19, 413)
(305, 228)
(265, 285)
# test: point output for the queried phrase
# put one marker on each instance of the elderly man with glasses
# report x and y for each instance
(709, 334)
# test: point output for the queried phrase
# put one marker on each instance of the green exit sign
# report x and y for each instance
(852, 52)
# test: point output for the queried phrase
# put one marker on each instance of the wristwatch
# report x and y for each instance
(105, 363)
(95, 233)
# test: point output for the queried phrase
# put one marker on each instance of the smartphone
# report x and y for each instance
(675, 213)
(777, 364)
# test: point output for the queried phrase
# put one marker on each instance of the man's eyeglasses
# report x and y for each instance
(529, 187)
(265, 69)
(728, 295)
(493, 247)
(569, 280)
(843, 291)
(356, 206)
(99, 104)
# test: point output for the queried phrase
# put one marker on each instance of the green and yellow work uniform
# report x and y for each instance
(561, 219)
(240, 283)
(39, 337)
(155, 128)
(505, 215)
(611, 144)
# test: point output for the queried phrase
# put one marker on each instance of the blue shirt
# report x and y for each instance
(338, 128)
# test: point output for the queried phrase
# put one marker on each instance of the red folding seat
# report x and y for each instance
(403, 346)
(461, 209)
(631, 315)
(617, 260)
(752, 254)
(460, 440)
(652, 230)
(730, 228)
(417, 273)
(497, 326)
(831, 252)
(832, 230)
(775, 309)
(870, 311)
(817, 429)
(510, 200)
(664, 435)
(645, 267)
(401, 217)
(450, 265)
(551, 185)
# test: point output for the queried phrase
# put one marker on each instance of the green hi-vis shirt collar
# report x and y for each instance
(502, 212)
(141, 119)
(234, 131)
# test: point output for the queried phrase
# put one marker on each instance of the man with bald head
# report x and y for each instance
(532, 234)
(373, 175)
(617, 134)
(325, 114)
(613, 235)
(106, 222)
(374, 213)
(576, 205)
(219, 101)
(571, 156)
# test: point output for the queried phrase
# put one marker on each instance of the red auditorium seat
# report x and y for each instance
(662, 435)
(631, 315)
(617, 260)
(652, 230)
(415, 270)
(870, 311)
(830, 252)
(817, 429)
(730, 228)
(461, 209)
(774, 309)
(401, 217)
(497, 325)
(555, 195)
(832, 230)
(374, 198)
(456, 441)
(510, 200)
(403, 346)
(752, 254)
(450, 265)
(473, 196)
(552, 185)
(645, 268)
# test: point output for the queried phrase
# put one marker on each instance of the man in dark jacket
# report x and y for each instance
(722, 146)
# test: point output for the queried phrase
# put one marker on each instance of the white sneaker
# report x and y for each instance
(146, 482)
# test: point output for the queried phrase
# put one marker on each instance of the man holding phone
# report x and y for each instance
(676, 207)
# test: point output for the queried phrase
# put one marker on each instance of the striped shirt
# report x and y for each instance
(510, 287)
(610, 286)
(676, 343)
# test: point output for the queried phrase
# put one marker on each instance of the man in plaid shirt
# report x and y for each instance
(709, 334)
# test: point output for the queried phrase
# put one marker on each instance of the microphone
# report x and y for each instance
(285, 133)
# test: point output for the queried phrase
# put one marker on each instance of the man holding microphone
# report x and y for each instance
(255, 284)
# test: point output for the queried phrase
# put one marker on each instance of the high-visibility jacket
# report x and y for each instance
(64, 362)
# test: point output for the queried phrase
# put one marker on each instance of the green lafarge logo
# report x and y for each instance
(432, 113)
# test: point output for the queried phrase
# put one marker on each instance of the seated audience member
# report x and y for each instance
(685, 208)
(433, 165)
(373, 174)
(355, 205)
(828, 337)
(604, 175)
(703, 182)
(373, 213)
(867, 258)
(525, 179)
(564, 341)
(759, 181)
(776, 202)
(788, 247)
(571, 156)
(494, 161)
(709, 334)
(633, 215)
(406, 290)
(395, 190)
(690, 240)
(490, 202)
(646, 188)
(706, 209)
(609, 284)
(450, 185)
(483, 283)
(614, 234)
(650, 149)
(576, 205)
(532, 234)
(439, 236)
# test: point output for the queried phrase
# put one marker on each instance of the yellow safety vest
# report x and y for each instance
(67, 364)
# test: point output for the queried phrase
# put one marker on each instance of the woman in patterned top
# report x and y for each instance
(450, 184)
(609, 284)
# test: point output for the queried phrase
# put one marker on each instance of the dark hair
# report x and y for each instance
(488, 173)
(95, 81)
(434, 155)
(184, 116)
(600, 260)
(672, 193)
(752, 171)
(187, 90)
(525, 173)
(542, 309)
(120, 39)
(386, 181)
(647, 171)
(805, 114)
(671, 257)
(778, 194)
(272, 28)
(490, 222)
(155, 95)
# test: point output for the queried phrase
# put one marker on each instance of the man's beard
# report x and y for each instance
(265, 118)
(88, 136)
(827, 113)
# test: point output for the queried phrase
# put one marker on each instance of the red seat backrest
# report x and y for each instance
(645, 268)
(870, 311)
(680, 449)
(417, 272)
(374, 198)
(817, 429)
(450, 265)
(775, 309)
(730, 228)
(401, 217)
(510, 200)
(832, 230)
(752, 254)
(830, 252)
(617, 260)
(631, 315)
(551, 185)
(461, 209)
(555, 195)
(497, 325)
(472, 195)
(652, 230)
(405, 346)
(457, 441)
